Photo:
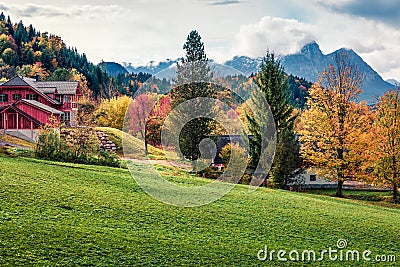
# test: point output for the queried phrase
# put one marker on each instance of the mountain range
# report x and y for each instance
(310, 62)
(152, 68)
(307, 63)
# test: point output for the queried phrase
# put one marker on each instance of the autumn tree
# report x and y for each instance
(272, 82)
(384, 141)
(232, 154)
(111, 112)
(193, 77)
(334, 122)
(33, 70)
(137, 115)
(85, 115)
(156, 120)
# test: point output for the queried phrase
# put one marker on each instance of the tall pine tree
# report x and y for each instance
(272, 82)
(193, 82)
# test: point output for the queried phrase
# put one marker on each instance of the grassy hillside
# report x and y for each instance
(134, 146)
(75, 215)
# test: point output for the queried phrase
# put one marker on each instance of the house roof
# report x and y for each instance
(48, 90)
(16, 81)
(24, 81)
(45, 87)
(42, 106)
(64, 88)
(21, 112)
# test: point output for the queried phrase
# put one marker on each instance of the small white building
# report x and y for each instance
(308, 179)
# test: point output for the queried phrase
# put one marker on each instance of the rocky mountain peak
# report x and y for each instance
(311, 50)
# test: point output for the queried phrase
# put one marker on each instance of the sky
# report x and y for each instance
(139, 31)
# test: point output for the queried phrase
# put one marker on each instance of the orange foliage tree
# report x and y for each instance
(384, 142)
(333, 126)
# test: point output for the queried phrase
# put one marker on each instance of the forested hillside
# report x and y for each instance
(27, 52)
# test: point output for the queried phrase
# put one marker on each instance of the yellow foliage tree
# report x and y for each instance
(384, 142)
(33, 70)
(83, 83)
(334, 126)
(111, 112)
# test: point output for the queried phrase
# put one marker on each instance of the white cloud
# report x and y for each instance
(377, 43)
(283, 36)
(48, 11)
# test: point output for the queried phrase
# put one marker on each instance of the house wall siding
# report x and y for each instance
(33, 114)
(38, 114)
(24, 91)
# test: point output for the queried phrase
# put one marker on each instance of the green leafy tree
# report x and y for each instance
(193, 77)
(272, 82)
(9, 56)
(61, 74)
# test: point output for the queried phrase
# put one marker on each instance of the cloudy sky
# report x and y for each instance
(138, 31)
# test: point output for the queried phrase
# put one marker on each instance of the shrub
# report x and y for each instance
(48, 141)
(79, 145)
(226, 156)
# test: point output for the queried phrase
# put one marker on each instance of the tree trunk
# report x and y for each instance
(340, 151)
(395, 193)
(146, 151)
(193, 155)
(339, 192)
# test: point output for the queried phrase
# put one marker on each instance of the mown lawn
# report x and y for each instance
(54, 214)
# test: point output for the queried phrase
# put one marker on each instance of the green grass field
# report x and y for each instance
(382, 198)
(54, 214)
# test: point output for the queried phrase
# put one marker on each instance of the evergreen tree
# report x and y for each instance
(193, 77)
(272, 82)
(31, 32)
(61, 74)
(21, 35)
(9, 26)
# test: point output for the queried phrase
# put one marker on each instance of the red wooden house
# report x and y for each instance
(26, 104)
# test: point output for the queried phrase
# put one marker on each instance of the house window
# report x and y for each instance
(17, 96)
(32, 97)
(67, 116)
(67, 99)
(3, 98)
(313, 178)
